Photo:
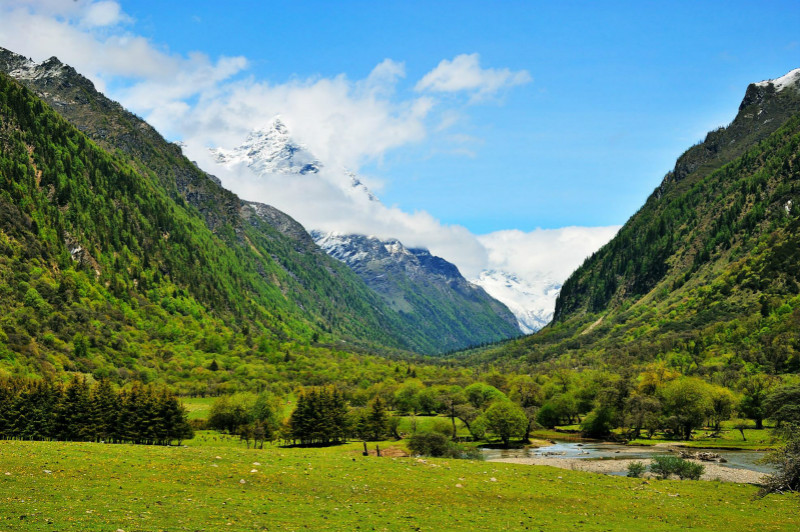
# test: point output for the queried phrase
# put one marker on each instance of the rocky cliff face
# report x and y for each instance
(765, 107)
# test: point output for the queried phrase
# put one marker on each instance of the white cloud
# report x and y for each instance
(464, 73)
(554, 253)
(79, 33)
(344, 122)
(101, 14)
(327, 201)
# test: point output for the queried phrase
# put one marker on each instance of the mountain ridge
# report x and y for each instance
(426, 288)
(314, 289)
(704, 275)
(271, 150)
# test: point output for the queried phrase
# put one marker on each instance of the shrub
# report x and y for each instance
(636, 469)
(477, 428)
(598, 423)
(664, 466)
(428, 444)
(438, 445)
(548, 416)
(786, 460)
(690, 470)
(442, 426)
(467, 452)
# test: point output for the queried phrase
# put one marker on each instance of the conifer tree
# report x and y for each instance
(105, 411)
(378, 420)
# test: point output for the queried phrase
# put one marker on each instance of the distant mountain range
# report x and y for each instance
(421, 286)
(272, 150)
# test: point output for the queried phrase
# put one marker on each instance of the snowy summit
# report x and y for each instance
(787, 80)
(270, 149)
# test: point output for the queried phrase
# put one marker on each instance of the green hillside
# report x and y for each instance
(323, 295)
(704, 276)
(103, 271)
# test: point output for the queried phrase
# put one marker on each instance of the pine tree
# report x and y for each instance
(105, 411)
(73, 416)
(378, 420)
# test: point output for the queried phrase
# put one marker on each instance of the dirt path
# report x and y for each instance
(713, 471)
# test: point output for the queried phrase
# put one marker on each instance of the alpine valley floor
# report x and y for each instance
(215, 483)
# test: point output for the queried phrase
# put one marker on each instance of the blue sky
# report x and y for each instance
(618, 90)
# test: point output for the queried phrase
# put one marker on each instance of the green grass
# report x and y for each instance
(108, 487)
(198, 407)
(411, 424)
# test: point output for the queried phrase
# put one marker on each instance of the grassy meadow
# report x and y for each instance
(215, 483)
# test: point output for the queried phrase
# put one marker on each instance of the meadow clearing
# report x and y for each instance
(215, 483)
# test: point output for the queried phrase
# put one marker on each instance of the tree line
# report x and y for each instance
(321, 416)
(602, 404)
(46, 410)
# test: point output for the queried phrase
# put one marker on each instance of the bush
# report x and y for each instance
(636, 469)
(477, 429)
(442, 426)
(665, 466)
(428, 444)
(598, 423)
(786, 460)
(467, 452)
(438, 445)
(548, 416)
(690, 470)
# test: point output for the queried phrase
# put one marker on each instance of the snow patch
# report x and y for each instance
(787, 80)
(29, 70)
(531, 301)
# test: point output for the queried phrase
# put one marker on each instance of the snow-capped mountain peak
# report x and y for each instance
(270, 149)
(29, 70)
(787, 80)
(532, 302)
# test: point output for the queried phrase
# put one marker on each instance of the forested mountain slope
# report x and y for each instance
(428, 292)
(102, 271)
(267, 270)
(705, 276)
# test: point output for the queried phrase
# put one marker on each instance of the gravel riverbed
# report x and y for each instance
(713, 471)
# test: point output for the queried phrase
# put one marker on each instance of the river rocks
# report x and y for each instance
(703, 456)
(712, 471)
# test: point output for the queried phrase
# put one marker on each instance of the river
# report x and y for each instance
(613, 451)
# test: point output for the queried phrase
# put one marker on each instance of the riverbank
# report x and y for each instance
(713, 470)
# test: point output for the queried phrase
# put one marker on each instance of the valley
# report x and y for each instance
(212, 318)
